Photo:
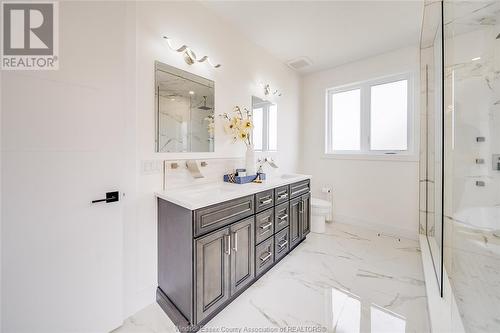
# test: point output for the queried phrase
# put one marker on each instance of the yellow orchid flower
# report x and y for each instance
(247, 124)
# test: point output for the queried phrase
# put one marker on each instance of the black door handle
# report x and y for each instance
(110, 197)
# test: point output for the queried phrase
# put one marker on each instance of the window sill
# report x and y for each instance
(373, 157)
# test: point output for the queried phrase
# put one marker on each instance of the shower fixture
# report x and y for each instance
(496, 162)
(189, 55)
(204, 106)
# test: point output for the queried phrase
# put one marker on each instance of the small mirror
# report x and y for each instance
(184, 111)
(265, 121)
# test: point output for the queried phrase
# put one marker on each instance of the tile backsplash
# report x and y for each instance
(212, 172)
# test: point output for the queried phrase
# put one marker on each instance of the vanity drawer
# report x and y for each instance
(281, 216)
(213, 217)
(281, 246)
(264, 200)
(264, 256)
(299, 188)
(264, 225)
(281, 194)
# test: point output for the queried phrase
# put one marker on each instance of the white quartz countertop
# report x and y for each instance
(203, 195)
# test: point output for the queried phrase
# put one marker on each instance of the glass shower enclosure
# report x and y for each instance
(460, 154)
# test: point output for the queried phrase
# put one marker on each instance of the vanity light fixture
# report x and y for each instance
(475, 59)
(268, 91)
(189, 55)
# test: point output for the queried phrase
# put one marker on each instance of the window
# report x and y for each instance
(265, 122)
(370, 118)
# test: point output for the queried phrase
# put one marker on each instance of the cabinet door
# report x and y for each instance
(242, 254)
(305, 219)
(212, 272)
(295, 216)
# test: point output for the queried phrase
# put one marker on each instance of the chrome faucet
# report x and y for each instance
(265, 160)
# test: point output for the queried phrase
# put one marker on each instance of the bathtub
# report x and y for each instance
(477, 230)
(485, 219)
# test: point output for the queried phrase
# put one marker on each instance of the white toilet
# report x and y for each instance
(321, 211)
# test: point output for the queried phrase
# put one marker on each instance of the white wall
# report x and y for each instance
(1, 192)
(67, 138)
(244, 66)
(382, 194)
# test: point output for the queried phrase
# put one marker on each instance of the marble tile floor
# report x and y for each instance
(346, 280)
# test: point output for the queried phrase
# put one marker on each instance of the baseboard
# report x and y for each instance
(382, 228)
(443, 311)
(173, 313)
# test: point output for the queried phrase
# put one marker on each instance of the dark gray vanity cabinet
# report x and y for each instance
(305, 218)
(208, 256)
(295, 232)
(212, 272)
(224, 265)
(300, 218)
(242, 254)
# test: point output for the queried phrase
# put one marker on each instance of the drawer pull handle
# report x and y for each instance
(264, 259)
(282, 244)
(266, 226)
(235, 242)
(266, 201)
(227, 244)
(282, 217)
(283, 196)
(300, 190)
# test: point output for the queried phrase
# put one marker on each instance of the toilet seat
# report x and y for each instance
(321, 212)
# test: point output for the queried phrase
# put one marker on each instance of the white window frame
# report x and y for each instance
(266, 129)
(365, 113)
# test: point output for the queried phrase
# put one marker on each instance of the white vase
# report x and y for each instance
(250, 164)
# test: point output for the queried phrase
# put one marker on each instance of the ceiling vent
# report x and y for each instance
(299, 63)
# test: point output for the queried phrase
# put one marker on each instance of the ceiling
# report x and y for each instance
(329, 33)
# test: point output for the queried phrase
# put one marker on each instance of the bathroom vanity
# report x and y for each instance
(214, 241)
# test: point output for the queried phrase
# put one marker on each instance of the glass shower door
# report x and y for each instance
(432, 133)
(472, 146)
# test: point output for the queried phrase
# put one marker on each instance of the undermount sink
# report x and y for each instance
(208, 190)
(288, 176)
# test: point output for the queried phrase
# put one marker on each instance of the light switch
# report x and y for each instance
(151, 167)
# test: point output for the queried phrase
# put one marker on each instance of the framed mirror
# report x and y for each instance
(184, 109)
(265, 122)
